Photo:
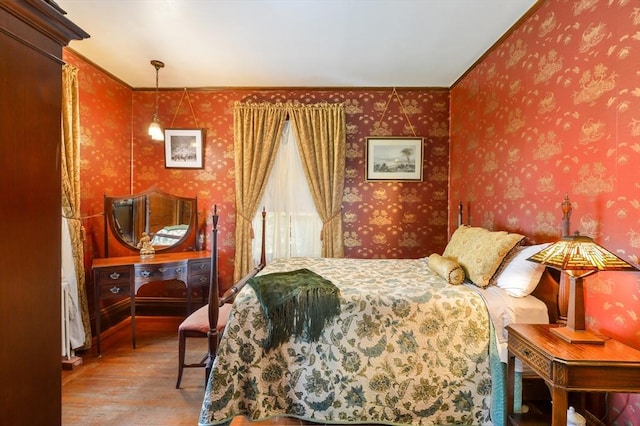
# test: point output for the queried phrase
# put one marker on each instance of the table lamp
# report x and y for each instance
(579, 256)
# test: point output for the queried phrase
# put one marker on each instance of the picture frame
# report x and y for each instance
(391, 158)
(183, 148)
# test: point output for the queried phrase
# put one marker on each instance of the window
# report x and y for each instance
(293, 225)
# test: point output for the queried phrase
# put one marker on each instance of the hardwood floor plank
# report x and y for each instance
(135, 387)
(127, 386)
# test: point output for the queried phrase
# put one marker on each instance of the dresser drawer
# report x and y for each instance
(199, 266)
(531, 356)
(198, 281)
(166, 271)
(114, 276)
(110, 290)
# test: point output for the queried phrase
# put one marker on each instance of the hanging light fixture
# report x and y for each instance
(154, 128)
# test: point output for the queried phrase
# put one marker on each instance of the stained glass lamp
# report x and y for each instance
(579, 256)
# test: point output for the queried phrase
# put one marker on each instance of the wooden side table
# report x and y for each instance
(567, 367)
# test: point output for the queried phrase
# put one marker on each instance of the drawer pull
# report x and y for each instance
(203, 279)
(145, 274)
(179, 269)
(115, 290)
(203, 266)
(114, 276)
(163, 269)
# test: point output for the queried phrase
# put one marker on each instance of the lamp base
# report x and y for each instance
(577, 336)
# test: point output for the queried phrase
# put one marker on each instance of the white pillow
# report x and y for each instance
(520, 276)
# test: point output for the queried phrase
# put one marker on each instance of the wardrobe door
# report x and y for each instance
(32, 34)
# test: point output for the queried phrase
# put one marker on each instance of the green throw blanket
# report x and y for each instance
(297, 303)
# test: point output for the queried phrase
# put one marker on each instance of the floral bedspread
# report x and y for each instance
(408, 348)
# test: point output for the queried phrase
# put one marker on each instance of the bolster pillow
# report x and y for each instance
(446, 268)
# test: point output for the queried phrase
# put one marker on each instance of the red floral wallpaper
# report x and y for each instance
(555, 109)
(381, 219)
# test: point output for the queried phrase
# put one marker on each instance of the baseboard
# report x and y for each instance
(71, 362)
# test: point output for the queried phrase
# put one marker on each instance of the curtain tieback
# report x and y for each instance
(252, 234)
(334, 215)
(83, 232)
(328, 221)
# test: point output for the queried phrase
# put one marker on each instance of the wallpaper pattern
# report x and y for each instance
(555, 109)
(381, 219)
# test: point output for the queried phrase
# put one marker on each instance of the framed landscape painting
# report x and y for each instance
(392, 158)
(183, 148)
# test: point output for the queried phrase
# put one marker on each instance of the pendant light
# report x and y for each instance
(154, 128)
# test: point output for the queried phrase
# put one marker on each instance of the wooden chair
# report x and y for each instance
(197, 325)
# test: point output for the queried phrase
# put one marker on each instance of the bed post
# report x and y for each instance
(563, 290)
(212, 335)
(230, 294)
(263, 256)
(566, 216)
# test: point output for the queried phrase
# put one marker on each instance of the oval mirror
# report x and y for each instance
(168, 220)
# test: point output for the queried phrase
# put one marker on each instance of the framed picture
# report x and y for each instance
(392, 158)
(183, 148)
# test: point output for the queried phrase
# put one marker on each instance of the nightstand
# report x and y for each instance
(567, 367)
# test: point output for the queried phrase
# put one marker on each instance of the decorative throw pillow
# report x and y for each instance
(480, 251)
(519, 277)
(446, 268)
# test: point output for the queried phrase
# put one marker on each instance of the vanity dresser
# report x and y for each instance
(170, 224)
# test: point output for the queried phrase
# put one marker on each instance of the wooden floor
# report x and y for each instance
(137, 387)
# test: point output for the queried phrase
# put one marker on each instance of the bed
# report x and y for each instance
(411, 343)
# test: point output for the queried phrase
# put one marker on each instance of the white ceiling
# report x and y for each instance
(290, 43)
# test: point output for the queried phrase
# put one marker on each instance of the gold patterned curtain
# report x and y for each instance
(257, 128)
(321, 132)
(70, 165)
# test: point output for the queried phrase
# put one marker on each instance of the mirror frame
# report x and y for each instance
(188, 241)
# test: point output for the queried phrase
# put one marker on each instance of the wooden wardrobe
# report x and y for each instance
(32, 35)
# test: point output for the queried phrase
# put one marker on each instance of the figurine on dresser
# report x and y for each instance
(146, 249)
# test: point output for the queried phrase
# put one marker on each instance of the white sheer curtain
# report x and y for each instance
(293, 224)
(76, 328)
